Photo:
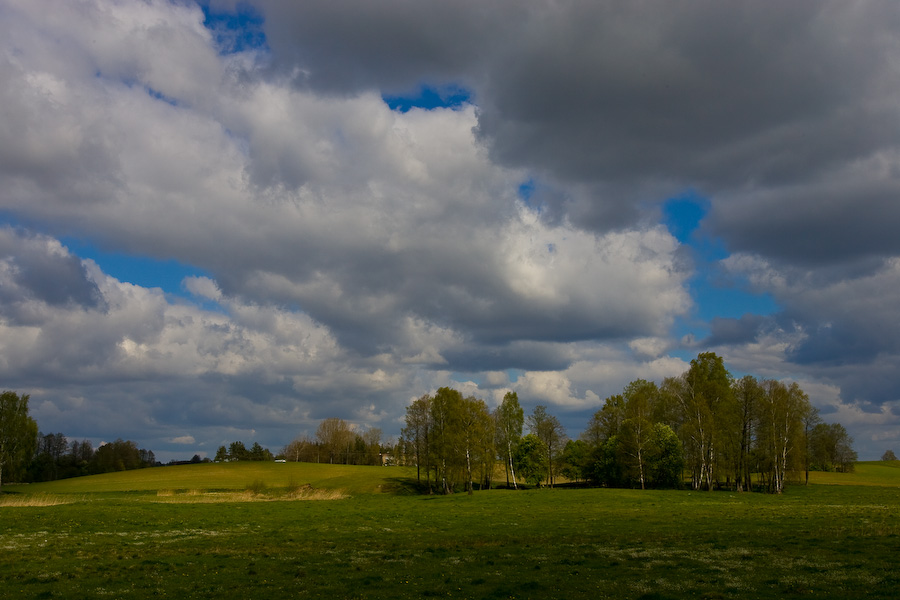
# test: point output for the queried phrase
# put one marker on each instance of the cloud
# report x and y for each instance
(355, 257)
(37, 269)
(634, 101)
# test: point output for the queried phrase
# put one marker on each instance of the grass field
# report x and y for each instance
(155, 533)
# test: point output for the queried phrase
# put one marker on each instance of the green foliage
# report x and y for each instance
(575, 458)
(665, 458)
(452, 436)
(509, 418)
(888, 455)
(606, 465)
(551, 433)
(18, 434)
(531, 459)
(831, 448)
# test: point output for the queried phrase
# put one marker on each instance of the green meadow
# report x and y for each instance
(298, 530)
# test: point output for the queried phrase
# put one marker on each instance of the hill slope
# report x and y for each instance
(233, 476)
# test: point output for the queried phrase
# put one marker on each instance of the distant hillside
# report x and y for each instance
(234, 476)
(873, 472)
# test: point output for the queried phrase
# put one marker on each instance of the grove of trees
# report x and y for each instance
(237, 451)
(338, 442)
(57, 458)
(703, 429)
(737, 434)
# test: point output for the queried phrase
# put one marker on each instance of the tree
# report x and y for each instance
(889, 455)
(18, 433)
(446, 405)
(704, 394)
(474, 440)
(575, 459)
(371, 439)
(416, 434)
(120, 455)
(335, 438)
(237, 451)
(664, 457)
(221, 454)
(747, 394)
(639, 397)
(531, 458)
(782, 412)
(606, 422)
(258, 453)
(832, 448)
(605, 466)
(810, 420)
(550, 432)
(509, 417)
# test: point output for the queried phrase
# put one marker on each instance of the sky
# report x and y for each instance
(228, 220)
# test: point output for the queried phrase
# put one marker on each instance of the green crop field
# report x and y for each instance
(265, 530)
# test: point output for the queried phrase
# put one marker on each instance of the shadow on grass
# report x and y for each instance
(403, 486)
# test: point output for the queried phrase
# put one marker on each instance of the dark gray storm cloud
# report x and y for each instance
(639, 101)
(36, 269)
(725, 332)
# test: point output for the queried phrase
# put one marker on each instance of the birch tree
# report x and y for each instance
(636, 427)
(416, 432)
(550, 432)
(782, 411)
(510, 418)
(748, 394)
(700, 392)
(473, 441)
(446, 405)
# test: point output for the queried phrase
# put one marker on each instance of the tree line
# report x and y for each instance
(738, 434)
(57, 458)
(338, 442)
(28, 455)
(237, 451)
(703, 428)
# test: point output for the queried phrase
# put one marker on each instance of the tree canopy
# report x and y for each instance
(18, 433)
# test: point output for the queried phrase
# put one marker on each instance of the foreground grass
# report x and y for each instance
(813, 542)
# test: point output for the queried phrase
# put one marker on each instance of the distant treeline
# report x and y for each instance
(703, 427)
(57, 458)
(237, 451)
(337, 442)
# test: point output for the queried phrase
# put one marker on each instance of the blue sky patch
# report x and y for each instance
(682, 216)
(429, 97)
(238, 31)
(139, 270)
(715, 294)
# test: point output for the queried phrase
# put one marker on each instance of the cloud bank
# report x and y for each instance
(351, 257)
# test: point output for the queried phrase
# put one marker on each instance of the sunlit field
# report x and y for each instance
(269, 530)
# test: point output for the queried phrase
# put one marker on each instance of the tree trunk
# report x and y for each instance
(511, 469)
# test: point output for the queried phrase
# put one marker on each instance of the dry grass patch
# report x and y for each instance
(306, 492)
(34, 500)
